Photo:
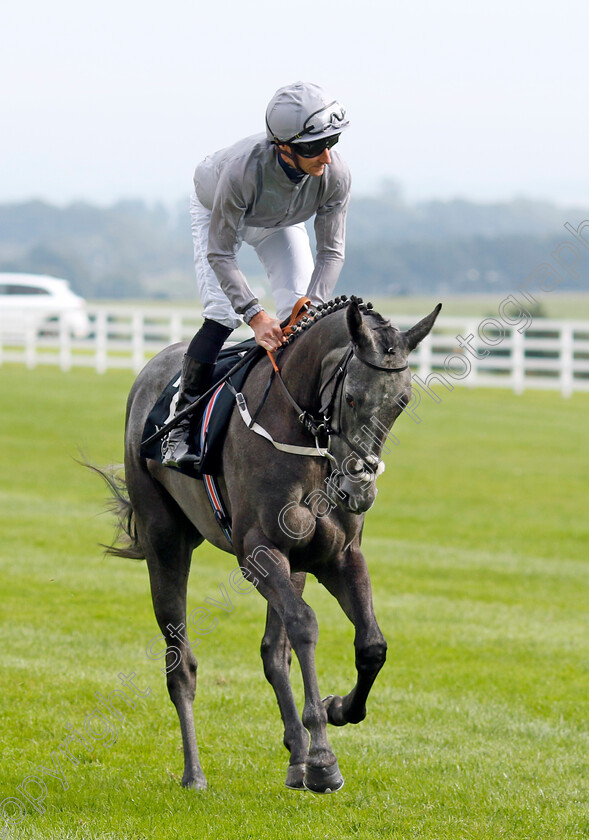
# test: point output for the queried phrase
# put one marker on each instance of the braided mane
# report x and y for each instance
(323, 309)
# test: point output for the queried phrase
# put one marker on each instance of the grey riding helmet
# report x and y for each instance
(303, 112)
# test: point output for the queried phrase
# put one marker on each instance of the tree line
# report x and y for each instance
(394, 247)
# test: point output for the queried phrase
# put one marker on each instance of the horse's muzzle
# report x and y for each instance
(351, 495)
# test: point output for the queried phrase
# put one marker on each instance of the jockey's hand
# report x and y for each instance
(267, 331)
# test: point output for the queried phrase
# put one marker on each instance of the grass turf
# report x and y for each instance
(477, 725)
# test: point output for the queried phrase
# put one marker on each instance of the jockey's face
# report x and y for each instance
(316, 165)
(310, 166)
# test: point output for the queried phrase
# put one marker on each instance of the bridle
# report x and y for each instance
(332, 393)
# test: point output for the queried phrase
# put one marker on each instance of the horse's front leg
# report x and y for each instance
(276, 656)
(348, 580)
(266, 563)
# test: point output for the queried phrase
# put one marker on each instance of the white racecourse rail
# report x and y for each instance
(541, 353)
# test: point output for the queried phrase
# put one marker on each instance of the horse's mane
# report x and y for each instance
(323, 309)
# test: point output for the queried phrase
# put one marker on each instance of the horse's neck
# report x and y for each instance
(303, 363)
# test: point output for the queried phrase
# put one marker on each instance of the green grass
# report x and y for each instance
(477, 726)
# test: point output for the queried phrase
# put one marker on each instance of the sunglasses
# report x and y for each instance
(316, 147)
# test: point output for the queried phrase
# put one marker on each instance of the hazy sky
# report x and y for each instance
(122, 98)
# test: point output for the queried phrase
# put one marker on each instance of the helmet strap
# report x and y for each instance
(291, 156)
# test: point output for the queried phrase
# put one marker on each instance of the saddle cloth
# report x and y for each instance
(208, 423)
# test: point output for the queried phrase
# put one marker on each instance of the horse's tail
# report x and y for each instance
(126, 542)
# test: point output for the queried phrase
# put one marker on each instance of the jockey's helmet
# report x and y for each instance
(303, 112)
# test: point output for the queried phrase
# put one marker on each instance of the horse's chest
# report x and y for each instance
(329, 541)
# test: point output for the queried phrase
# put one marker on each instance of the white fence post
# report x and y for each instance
(30, 341)
(566, 360)
(472, 378)
(138, 345)
(518, 360)
(175, 327)
(425, 357)
(101, 356)
(65, 344)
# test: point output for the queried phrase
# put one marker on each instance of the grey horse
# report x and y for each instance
(291, 514)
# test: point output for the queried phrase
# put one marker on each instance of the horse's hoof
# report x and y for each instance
(323, 779)
(334, 708)
(295, 777)
(195, 782)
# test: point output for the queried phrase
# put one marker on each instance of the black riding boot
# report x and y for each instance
(194, 382)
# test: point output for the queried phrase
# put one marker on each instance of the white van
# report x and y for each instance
(36, 301)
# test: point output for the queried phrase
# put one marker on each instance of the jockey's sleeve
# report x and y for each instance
(330, 233)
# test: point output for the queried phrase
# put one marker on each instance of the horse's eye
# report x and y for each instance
(350, 400)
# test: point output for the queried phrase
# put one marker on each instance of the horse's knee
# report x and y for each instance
(302, 627)
(276, 657)
(371, 657)
(181, 676)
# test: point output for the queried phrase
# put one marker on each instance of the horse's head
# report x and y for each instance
(363, 392)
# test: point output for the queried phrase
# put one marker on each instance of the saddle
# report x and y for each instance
(208, 423)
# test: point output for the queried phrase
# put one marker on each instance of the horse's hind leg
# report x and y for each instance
(276, 655)
(168, 590)
(168, 540)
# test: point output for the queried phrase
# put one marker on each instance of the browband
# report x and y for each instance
(379, 367)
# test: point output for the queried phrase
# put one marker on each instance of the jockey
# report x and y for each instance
(261, 191)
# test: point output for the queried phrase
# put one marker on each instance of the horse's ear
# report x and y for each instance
(359, 332)
(420, 330)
